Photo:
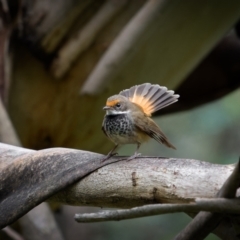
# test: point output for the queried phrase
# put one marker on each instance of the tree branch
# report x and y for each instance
(205, 222)
(30, 226)
(147, 180)
(211, 205)
(31, 177)
(200, 226)
(49, 174)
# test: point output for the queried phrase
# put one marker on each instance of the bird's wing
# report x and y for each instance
(150, 97)
(149, 127)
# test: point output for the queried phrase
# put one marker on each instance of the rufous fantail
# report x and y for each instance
(128, 116)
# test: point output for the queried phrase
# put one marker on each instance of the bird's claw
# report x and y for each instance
(134, 156)
(108, 156)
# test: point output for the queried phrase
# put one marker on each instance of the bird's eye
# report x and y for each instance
(118, 105)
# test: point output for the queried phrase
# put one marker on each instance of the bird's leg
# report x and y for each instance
(136, 154)
(111, 153)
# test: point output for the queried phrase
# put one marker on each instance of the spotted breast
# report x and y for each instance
(119, 128)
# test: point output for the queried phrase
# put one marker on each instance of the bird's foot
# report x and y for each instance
(108, 156)
(134, 156)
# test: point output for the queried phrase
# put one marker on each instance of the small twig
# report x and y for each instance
(211, 205)
(229, 188)
(120, 50)
(12, 233)
(84, 38)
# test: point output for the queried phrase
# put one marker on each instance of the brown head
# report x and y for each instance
(119, 104)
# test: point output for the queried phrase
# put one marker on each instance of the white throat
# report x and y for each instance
(114, 112)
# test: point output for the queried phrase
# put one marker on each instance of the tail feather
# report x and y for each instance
(145, 90)
(139, 92)
(151, 97)
(160, 102)
(166, 103)
(153, 92)
(161, 91)
(131, 92)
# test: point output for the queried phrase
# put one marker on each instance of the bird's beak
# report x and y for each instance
(106, 108)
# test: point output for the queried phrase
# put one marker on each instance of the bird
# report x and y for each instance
(128, 116)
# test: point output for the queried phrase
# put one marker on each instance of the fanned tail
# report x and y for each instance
(151, 97)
